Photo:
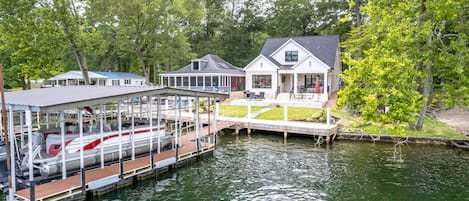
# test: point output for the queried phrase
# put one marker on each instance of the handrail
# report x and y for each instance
(225, 115)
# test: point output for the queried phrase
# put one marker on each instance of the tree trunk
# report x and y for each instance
(427, 87)
(357, 12)
(80, 58)
(155, 74)
(145, 68)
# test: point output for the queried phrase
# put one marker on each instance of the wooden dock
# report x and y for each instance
(320, 131)
(109, 175)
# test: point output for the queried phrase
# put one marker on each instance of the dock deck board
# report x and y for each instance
(57, 187)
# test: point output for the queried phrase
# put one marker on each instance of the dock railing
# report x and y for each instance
(225, 115)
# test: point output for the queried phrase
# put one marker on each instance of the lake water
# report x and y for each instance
(262, 167)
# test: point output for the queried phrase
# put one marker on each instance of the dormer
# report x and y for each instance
(198, 64)
(289, 53)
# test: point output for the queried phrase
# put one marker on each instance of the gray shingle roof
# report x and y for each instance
(323, 47)
(215, 64)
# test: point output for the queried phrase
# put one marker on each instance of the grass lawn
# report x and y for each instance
(230, 110)
(294, 113)
(432, 128)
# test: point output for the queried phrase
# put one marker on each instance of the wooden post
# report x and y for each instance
(82, 160)
(208, 119)
(62, 144)
(249, 118)
(158, 123)
(285, 120)
(132, 131)
(197, 129)
(21, 129)
(150, 119)
(119, 120)
(101, 132)
(30, 150)
(11, 188)
(215, 123)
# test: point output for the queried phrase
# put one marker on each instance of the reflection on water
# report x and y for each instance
(264, 168)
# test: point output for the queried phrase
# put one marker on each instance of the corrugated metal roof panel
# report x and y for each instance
(61, 98)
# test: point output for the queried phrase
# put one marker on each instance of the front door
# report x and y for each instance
(286, 83)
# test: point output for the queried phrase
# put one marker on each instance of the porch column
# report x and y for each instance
(325, 84)
(211, 80)
(229, 83)
(197, 82)
(175, 82)
(295, 83)
(189, 81)
(203, 82)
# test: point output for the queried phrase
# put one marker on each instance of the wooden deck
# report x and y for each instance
(71, 186)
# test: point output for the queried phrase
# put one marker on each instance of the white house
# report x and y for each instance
(296, 68)
(97, 78)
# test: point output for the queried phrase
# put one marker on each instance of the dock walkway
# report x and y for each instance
(71, 186)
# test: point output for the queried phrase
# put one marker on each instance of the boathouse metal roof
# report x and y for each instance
(62, 98)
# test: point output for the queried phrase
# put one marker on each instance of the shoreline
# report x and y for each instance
(357, 136)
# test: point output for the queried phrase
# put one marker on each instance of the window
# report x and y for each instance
(195, 65)
(291, 56)
(115, 82)
(126, 82)
(262, 81)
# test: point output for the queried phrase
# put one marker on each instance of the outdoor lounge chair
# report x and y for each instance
(261, 96)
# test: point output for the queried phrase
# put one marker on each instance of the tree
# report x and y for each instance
(30, 42)
(152, 29)
(77, 32)
(399, 58)
(292, 18)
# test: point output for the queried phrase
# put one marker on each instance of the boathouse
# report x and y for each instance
(135, 146)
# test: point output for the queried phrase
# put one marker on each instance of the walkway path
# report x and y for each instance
(269, 107)
(457, 117)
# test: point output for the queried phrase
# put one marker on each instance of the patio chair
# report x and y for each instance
(261, 96)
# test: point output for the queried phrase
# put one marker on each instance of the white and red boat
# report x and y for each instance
(47, 149)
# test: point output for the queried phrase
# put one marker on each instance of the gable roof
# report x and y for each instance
(74, 74)
(123, 75)
(257, 58)
(322, 47)
(215, 64)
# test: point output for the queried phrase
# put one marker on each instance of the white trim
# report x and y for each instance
(257, 58)
(284, 44)
(313, 57)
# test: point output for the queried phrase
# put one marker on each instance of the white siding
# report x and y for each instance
(133, 82)
(261, 66)
(311, 65)
(279, 55)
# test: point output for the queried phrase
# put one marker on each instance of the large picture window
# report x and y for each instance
(291, 56)
(262, 81)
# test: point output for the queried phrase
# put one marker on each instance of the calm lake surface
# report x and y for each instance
(262, 167)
